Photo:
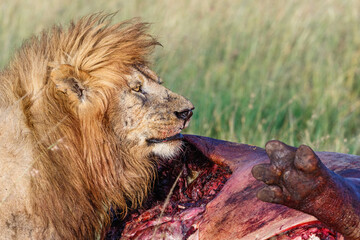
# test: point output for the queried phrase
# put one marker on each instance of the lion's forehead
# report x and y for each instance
(151, 88)
(143, 73)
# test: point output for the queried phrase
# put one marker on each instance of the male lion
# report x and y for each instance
(82, 120)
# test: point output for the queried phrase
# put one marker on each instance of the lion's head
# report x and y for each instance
(148, 115)
(96, 114)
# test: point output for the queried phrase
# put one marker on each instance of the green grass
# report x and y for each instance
(255, 70)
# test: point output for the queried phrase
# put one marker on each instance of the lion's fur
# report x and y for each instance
(66, 158)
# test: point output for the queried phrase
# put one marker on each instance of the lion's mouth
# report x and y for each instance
(172, 138)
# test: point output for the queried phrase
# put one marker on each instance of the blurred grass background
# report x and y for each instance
(255, 69)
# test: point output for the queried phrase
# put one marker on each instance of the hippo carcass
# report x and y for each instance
(213, 195)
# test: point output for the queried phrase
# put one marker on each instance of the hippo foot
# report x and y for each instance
(292, 176)
(298, 179)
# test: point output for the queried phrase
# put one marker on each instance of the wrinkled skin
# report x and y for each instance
(298, 179)
(236, 213)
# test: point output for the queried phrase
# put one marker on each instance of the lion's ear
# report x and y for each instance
(69, 82)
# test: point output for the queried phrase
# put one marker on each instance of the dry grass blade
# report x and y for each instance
(166, 203)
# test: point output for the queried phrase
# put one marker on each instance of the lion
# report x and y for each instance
(83, 120)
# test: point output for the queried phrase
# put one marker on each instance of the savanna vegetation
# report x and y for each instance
(255, 70)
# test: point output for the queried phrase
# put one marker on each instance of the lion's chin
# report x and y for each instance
(167, 149)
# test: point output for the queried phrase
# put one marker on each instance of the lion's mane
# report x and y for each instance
(79, 169)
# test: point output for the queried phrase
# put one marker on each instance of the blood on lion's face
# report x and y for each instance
(149, 115)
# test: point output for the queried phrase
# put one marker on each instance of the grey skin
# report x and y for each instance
(296, 178)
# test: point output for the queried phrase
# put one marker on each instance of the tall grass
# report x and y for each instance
(255, 69)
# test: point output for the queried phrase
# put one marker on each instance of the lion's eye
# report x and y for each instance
(137, 88)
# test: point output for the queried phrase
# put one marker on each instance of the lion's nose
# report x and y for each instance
(184, 115)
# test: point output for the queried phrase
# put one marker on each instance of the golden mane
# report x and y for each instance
(80, 169)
